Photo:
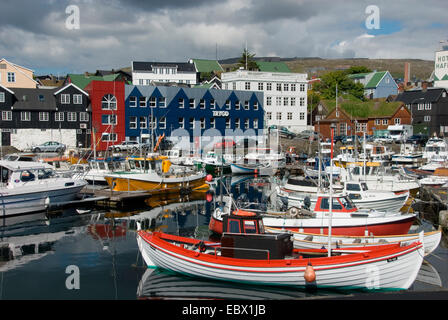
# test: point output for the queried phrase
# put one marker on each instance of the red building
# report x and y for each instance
(108, 113)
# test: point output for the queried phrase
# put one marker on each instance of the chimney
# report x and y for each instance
(407, 72)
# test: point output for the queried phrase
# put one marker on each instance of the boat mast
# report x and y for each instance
(330, 211)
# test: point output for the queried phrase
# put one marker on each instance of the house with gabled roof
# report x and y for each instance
(83, 80)
(14, 76)
(376, 84)
(145, 73)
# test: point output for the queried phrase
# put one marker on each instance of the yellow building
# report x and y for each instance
(15, 76)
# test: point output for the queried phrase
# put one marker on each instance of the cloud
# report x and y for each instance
(114, 33)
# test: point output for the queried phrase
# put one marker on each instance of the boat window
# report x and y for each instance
(57, 165)
(153, 165)
(117, 165)
(353, 187)
(26, 176)
(354, 196)
(110, 166)
(347, 203)
(101, 165)
(4, 174)
(250, 226)
(233, 226)
(325, 204)
(364, 186)
(132, 164)
(44, 174)
(146, 165)
(137, 164)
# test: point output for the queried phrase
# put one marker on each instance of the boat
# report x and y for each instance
(358, 192)
(99, 167)
(436, 150)
(409, 156)
(213, 164)
(270, 259)
(178, 156)
(260, 168)
(155, 175)
(27, 187)
(346, 218)
(431, 239)
(437, 179)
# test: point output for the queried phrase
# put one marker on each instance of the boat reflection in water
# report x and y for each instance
(163, 284)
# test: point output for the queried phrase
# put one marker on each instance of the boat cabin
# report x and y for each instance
(108, 164)
(244, 237)
(339, 204)
(156, 163)
(354, 190)
(18, 173)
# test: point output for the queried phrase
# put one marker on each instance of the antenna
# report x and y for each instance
(246, 54)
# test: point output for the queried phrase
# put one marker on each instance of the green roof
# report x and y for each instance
(357, 75)
(207, 65)
(376, 78)
(273, 66)
(364, 109)
(81, 80)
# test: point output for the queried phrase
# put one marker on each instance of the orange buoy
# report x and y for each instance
(310, 275)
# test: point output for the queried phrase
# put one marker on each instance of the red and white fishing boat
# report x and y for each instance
(345, 219)
(269, 259)
(303, 240)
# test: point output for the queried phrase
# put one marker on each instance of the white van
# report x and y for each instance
(400, 132)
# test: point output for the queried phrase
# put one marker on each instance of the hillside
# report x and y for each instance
(420, 69)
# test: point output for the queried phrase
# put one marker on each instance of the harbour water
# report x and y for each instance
(81, 253)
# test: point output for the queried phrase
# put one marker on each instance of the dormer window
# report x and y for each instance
(41, 98)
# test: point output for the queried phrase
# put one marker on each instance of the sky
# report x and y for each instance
(60, 36)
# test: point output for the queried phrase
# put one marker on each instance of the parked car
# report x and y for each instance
(50, 146)
(384, 139)
(306, 134)
(125, 146)
(420, 139)
(283, 131)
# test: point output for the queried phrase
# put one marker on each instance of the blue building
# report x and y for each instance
(376, 84)
(191, 112)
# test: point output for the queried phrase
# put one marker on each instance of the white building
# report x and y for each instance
(441, 66)
(149, 73)
(285, 95)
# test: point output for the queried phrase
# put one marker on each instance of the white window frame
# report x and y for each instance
(2, 97)
(181, 102)
(65, 98)
(77, 99)
(11, 77)
(162, 122)
(133, 102)
(25, 116)
(44, 116)
(397, 121)
(71, 117)
(143, 122)
(59, 116)
(132, 122)
(255, 123)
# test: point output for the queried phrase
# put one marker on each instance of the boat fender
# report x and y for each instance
(310, 275)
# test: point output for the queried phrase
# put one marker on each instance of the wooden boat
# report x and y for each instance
(261, 168)
(271, 260)
(154, 176)
(346, 219)
(431, 239)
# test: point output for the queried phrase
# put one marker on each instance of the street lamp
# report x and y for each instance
(332, 127)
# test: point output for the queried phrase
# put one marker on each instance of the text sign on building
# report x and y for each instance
(441, 69)
(220, 113)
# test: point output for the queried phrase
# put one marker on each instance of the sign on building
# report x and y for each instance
(441, 69)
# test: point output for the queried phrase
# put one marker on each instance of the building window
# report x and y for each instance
(148, 82)
(109, 137)
(268, 86)
(25, 116)
(286, 87)
(44, 116)
(302, 87)
(342, 129)
(142, 101)
(302, 101)
(77, 98)
(41, 98)
(202, 104)
(246, 123)
(246, 105)
(191, 123)
(234, 85)
(2, 97)
(132, 102)
(84, 116)
(212, 123)
(427, 106)
(212, 104)
(109, 102)
(181, 123)
(285, 101)
(152, 122)
(377, 122)
(71, 116)
(279, 87)
(427, 118)
(106, 119)
(11, 77)
(181, 103)
(269, 115)
(302, 116)
(228, 123)
(132, 122)
(255, 123)
(237, 123)
(289, 116)
(293, 101)
(162, 123)
(202, 123)
(228, 104)
(162, 102)
(385, 121)
(59, 116)
(7, 115)
(152, 102)
(260, 86)
(268, 101)
(192, 104)
(278, 101)
(293, 87)
(279, 116)
(256, 105)
(143, 123)
(247, 85)
(397, 121)
(65, 98)
(237, 105)
(420, 106)
(140, 82)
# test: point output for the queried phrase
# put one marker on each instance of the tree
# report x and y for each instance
(357, 69)
(327, 85)
(249, 58)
